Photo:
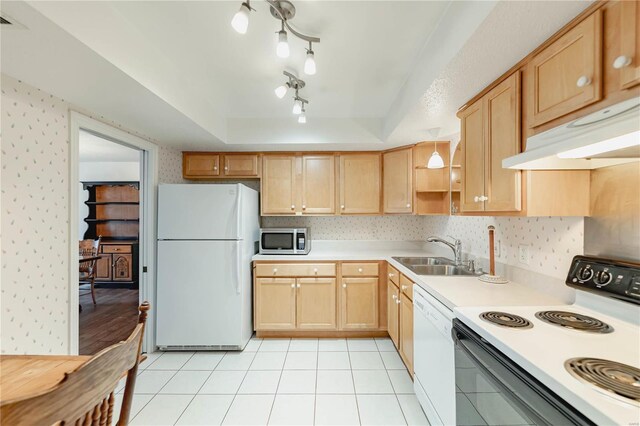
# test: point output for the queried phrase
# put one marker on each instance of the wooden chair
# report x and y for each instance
(88, 269)
(85, 396)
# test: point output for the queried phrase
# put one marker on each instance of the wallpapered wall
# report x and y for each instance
(35, 220)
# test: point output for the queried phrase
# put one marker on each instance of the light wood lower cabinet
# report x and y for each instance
(392, 313)
(359, 303)
(406, 331)
(275, 303)
(316, 303)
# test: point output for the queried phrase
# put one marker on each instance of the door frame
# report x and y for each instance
(147, 252)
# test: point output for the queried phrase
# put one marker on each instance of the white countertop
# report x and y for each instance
(451, 291)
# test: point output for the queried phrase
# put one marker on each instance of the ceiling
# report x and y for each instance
(177, 73)
(93, 148)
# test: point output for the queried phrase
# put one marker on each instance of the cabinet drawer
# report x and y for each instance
(360, 269)
(296, 270)
(393, 275)
(113, 248)
(406, 286)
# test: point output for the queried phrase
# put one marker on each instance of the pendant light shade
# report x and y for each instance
(302, 118)
(310, 63)
(297, 107)
(240, 21)
(282, 50)
(435, 161)
(281, 91)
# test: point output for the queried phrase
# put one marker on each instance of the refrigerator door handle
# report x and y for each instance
(239, 210)
(238, 266)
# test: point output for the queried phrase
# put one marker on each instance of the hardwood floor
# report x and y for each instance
(110, 321)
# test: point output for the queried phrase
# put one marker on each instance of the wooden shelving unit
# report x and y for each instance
(432, 186)
(114, 215)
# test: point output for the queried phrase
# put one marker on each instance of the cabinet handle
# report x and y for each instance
(293, 286)
(404, 287)
(275, 270)
(215, 168)
(397, 301)
(359, 269)
(116, 249)
(621, 62)
(304, 207)
(226, 168)
(394, 297)
(484, 198)
(583, 81)
(344, 285)
(293, 206)
(315, 270)
(342, 207)
(408, 205)
(476, 199)
(298, 285)
(391, 274)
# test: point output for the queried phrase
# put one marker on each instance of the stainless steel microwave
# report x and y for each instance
(284, 241)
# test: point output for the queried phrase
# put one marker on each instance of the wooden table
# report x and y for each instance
(24, 375)
(88, 258)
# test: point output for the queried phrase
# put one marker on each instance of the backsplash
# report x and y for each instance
(170, 166)
(35, 220)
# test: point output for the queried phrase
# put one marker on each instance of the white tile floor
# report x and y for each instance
(278, 382)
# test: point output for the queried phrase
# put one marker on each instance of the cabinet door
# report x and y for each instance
(360, 183)
(278, 184)
(316, 303)
(393, 313)
(359, 303)
(275, 304)
(241, 165)
(629, 43)
(566, 76)
(406, 332)
(122, 267)
(472, 170)
(103, 268)
(200, 165)
(318, 184)
(397, 168)
(502, 140)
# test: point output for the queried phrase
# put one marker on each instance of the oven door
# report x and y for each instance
(494, 390)
(277, 242)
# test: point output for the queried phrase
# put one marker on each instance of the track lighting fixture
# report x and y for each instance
(282, 90)
(284, 11)
(297, 106)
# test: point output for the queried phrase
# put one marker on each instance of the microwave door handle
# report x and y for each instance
(238, 266)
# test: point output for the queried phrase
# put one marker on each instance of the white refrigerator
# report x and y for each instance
(207, 234)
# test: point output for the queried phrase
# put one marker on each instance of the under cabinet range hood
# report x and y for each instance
(604, 138)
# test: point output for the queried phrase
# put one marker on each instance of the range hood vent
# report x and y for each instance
(604, 138)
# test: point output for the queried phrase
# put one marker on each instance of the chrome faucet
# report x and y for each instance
(456, 246)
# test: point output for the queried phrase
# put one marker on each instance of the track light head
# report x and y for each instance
(282, 90)
(282, 49)
(297, 107)
(240, 21)
(310, 63)
(302, 118)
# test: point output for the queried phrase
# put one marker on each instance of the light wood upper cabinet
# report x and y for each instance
(318, 184)
(360, 184)
(406, 331)
(502, 140)
(316, 303)
(275, 304)
(241, 165)
(490, 133)
(567, 75)
(200, 165)
(393, 326)
(472, 170)
(628, 60)
(359, 303)
(278, 184)
(398, 181)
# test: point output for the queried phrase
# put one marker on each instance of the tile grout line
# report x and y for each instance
(355, 395)
(278, 385)
(396, 393)
(315, 393)
(240, 385)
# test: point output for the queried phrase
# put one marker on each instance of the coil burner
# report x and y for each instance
(620, 379)
(505, 319)
(574, 321)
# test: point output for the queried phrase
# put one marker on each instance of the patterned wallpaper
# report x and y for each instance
(170, 166)
(35, 220)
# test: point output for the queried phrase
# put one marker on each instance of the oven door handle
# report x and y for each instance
(489, 360)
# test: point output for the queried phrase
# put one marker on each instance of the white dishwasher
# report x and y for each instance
(434, 359)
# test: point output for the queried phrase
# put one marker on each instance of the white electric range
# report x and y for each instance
(569, 364)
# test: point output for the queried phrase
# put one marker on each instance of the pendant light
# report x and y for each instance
(240, 21)
(281, 91)
(282, 50)
(297, 107)
(302, 118)
(435, 161)
(310, 62)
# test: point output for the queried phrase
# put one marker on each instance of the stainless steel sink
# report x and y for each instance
(433, 266)
(414, 261)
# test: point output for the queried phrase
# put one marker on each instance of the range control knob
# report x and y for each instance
(585, 274)
(603, 278)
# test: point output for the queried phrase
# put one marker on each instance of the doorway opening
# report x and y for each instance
(109, 205)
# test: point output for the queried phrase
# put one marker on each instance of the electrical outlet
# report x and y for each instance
(496, 248)
(523, 254)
